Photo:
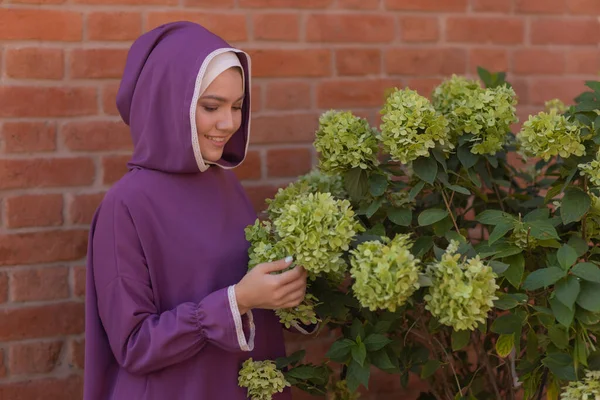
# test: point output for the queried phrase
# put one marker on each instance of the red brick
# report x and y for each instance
(427, 5)
(489, 58)
(358, 4)
(36, 24)
(350, 28)
(34, 210)
(256, 97)
(50, 283)
(37, 1)
(292, 128)
(83, 206)
(423, 86)
(250, 168)
(114, 168)
(35, 101)
(541, 6)
(96, 136)
(531, 61)
(114, 25)
(492, 5)
(285, 3)
(97, 63)
(258, 195)
(40, 247)
(583, 61)
(79, 281)
(563, 31)
(69, 388)
(521, 87)
(77, 351)
(3, 370)
(419, 29)
(46, 172)
(231, 27)
(285, 95)
(35, 62)
(276, 26)
(210, 3)
(34, 358)
(351, 94)
(26, 137)
(585, 7)
(129, 2)
(109, 98)
(3, 298)
(288, 63)
(565, 89)
(485, 30)
(64, 318)
(426, 61)
(288, 162)
(358, 61)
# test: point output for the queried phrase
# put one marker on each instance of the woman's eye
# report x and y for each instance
(237, 108)
(209, 109)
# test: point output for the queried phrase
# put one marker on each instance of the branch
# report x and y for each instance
(449, 210)
(487, 164)
(488, 366)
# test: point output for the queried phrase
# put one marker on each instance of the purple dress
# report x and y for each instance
(167, 243)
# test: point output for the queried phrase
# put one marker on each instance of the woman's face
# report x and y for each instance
(219, 113)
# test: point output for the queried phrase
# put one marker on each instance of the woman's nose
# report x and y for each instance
(225, 123)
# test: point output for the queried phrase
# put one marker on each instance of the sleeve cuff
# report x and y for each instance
(245, 345)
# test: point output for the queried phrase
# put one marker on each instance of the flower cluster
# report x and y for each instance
(386, 273)
(521, 237)
(411, 126)
(339, 390)
(587, 389)
(592, 219)
(592, 170)
(303, 313)
(344, 142)
(485, 113)
(555, 104)
(462, 293)
(546, 135)
(262, 379)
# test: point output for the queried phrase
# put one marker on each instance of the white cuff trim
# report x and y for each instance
(237, 319)
(304, 331)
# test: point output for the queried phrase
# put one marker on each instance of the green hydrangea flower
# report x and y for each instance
(340, 391)
(411, 127)
(316, 229)
(587, 389)
(519, 237)
(313, 182)
(386, 273)
(462, 294)
(303, 313)
(262, 379)
(592, 219)
(592, 170)
(344, 142)
(546, 135)
(486, 113)
(263, 245)
(555, 105)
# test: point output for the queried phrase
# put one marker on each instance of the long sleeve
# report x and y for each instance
(142, 339)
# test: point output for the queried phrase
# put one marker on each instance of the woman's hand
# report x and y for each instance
(262, 289)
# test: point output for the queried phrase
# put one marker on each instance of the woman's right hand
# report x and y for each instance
(262, 289)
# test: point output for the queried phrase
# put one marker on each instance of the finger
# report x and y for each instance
(298, 284)
(290, 276)
(276, 266)
(294, 300)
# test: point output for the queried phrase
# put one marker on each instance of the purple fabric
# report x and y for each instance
(168, 241)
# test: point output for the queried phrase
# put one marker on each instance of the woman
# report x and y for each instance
(170, 310)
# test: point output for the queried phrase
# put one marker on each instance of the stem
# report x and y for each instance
(450, 362)
(487, 164)
(488, 366)
(543, 384)
(449, 210)
(444, 382)
(583, 223)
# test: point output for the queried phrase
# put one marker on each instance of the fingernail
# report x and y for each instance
(289, 259)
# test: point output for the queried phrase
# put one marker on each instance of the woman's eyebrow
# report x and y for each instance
(219, 98)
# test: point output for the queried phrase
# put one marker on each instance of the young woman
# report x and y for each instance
(170, 311)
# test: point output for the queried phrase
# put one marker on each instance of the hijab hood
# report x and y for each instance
(159, 91)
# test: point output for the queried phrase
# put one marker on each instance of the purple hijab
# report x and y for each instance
(167, 243)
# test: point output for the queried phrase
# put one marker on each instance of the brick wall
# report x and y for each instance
(62, 145)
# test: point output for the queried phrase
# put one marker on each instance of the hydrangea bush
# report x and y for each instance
(443, 244)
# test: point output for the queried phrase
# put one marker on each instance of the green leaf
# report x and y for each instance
(567, 256)
(458, 189)
(506, 324)
(537, 214)
(505, 344)
(542, 230)
(532, 352)
(507, 301)
(587, 271)
(400, 216)
(467, 159)
(594, 85)
(357, 330)
(429, 368)
(589, 297)
(542, 278)
(505, 250)
(426, 168)
(559, 336)
(474, 178)
(561, 365)
(340, 350)
(567, 290)
(495, 217)
(356, 183)
(440, 157)
(382, 327)
(305, 372)
(577, 243)
(581, 351)
(357, 374)
(376, 341)
(514, 273)
(372, 209)
(378, 184)
(574, 205)
(416, 190)
(381, 360)
(432, 216)
(293, 359)
(460, 339)
(499, 231)
(359, 353)
(498, 267)
(552, 193)
(563, 314)
(422, 245)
